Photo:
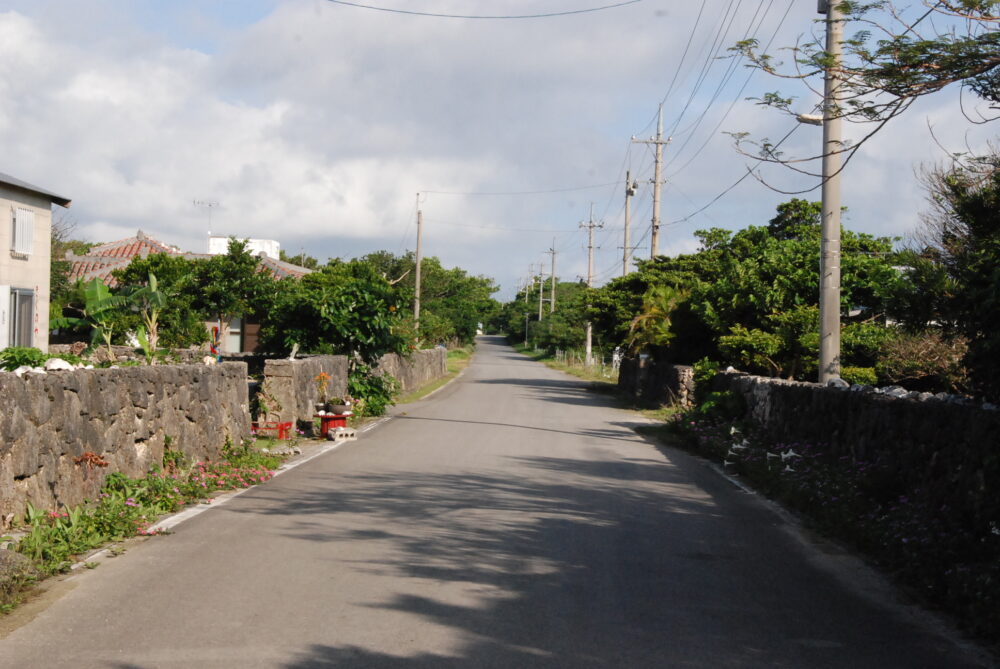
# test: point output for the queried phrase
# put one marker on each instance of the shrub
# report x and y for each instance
(865, 376)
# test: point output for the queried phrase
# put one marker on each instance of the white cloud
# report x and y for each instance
(317, 124)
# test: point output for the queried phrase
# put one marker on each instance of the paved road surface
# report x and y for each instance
(512, 520)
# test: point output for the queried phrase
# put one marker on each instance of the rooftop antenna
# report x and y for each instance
(208, 204)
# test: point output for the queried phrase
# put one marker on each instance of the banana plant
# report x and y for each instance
(101, 312)
(150, 302)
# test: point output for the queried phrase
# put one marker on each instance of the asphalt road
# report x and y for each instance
(511, 520)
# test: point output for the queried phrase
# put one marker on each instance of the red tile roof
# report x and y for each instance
(103, 259)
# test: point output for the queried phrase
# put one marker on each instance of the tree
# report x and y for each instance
(226, 286)
(896, 55)
(302, 260)
(181, 325)
(953, 285)
(344, 308)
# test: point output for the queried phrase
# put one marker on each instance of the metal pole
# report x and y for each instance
(829, 268)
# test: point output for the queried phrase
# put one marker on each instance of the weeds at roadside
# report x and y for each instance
(949, 557)
(127, 507)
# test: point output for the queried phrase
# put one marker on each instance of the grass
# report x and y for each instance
(54, 540)
(594, 373)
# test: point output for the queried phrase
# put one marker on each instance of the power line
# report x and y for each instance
(734, 185)
(523, 192)
(483, 16)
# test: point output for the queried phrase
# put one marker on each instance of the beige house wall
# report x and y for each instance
(31, 272)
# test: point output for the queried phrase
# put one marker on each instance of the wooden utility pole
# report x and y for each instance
(659, 143)
(630, 189)
(590, 225)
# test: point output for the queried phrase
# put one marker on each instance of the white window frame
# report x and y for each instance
(22, 238)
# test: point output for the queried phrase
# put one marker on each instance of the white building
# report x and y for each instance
(25, 251)
(269, 248)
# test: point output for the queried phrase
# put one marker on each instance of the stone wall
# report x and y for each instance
(929, 442)
(656, 385)
(120, 416)
(945, 446)
(291, 385)
(420, 368)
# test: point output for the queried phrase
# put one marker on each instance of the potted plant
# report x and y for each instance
(322, 385)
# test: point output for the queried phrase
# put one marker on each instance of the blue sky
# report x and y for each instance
(316, 124)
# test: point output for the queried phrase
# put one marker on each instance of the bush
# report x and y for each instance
(864, 376)
(924, 361)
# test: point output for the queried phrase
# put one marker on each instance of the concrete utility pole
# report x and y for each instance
(541, 290)
(552, 298)
(829, 263)
(659, 143)
(419, 259)
(630, 189)
(590, 225)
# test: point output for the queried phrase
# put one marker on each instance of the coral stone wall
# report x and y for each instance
(654, 384)
(292, 384)
(951, 449)
(115, 416)
(414, 371)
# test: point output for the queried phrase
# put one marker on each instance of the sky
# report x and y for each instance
(317, 124)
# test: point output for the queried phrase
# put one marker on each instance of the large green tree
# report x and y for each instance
(181, 324)
(230, 285)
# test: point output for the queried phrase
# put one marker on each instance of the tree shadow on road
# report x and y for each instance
(575, 563)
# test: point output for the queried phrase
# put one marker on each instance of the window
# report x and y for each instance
(22, 313)
(22, 231)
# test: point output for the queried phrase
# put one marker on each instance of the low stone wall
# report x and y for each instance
(291, 384)
(420, 368)
(117, 416)
(929, 443)
(948, 448)
(656, 385)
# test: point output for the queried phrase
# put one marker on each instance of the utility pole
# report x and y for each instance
(590, 225)
(630, 189)
(552, 297)
(541, 290)
(659, 143)
(829, 269)
(419, 258)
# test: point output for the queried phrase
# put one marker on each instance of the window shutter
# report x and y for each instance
(24, 231)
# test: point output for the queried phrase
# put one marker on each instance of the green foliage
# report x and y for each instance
(652, 327)
(452, 303)
(374, 393)
(16, 356)
(952, 285)
(181, 325)
(226, 286)
(704, 373)
(345, 308)
(99, 310)
(865, 376)
(150, 304)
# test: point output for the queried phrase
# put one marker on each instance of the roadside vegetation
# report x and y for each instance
(53, 541)
(945, 555)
